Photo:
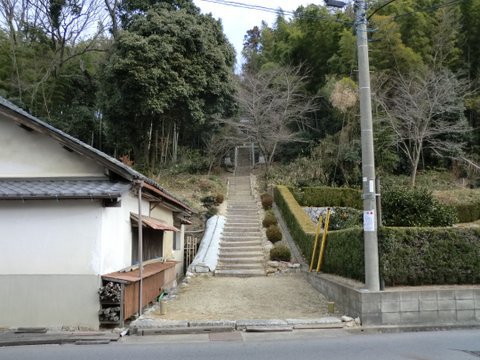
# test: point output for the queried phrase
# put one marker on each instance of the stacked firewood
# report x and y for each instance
(109, 314)
(111, 292)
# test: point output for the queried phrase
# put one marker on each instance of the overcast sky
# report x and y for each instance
(236, 21)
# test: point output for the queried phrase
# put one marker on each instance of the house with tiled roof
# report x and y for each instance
(69, 219)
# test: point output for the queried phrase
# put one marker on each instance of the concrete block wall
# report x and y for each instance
(456, 305)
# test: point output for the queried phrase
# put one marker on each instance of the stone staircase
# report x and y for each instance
(241, 251)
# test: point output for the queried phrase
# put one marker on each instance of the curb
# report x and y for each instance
(10, 338)
(394, 329)
(248, 325)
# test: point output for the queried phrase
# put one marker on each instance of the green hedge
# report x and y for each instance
(329, 196)
(344, 254)
(466, 202)
(408, 256)
(298, 222)
(422, 256)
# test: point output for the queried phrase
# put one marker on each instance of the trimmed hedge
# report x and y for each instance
(423, 256)
(298, 222)
(329, 196)
(407, 206)
(408, 256)
(465, 202)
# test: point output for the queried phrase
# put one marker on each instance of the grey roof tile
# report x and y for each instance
(111, 162)
(61, 188)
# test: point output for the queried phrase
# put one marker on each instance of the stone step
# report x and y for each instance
(244, 234)
(241, 228)
(240, 250)
(239, 243)
(245, 216)
(237, 213)
(232, 266)
(252, 223)
(240, 273)
(237, 238)
(240, 253)
(243, 220)
(252, 260)
(243, 207)
(242, 201)
(251, 206)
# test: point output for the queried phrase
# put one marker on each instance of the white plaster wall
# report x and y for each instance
(117, 233)
(50, 237)
(165, 215)
(31, 154)
(179, 255)
(53, 301)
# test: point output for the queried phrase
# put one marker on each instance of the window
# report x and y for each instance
(177, 240)
(152, 244)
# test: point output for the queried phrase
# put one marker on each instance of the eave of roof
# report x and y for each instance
(36, 189)
(24, 118)
(152, 223)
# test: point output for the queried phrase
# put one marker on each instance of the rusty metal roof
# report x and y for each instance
(152, 223)
(134, 275)
(48, 188)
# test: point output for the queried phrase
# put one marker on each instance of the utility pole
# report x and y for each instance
(372, 277)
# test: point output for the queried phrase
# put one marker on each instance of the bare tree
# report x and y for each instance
(218, 144)
(65, 24)
(425, 110)
(273, 107)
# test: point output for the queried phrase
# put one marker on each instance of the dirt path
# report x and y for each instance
(227, 298)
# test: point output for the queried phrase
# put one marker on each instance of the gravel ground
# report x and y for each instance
(227, 298)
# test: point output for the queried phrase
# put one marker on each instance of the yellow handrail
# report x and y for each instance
(324, 240)
(319, 226)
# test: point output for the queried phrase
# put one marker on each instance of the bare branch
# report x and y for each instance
(425, 110)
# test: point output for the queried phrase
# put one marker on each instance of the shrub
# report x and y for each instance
(344, 218)
(274, 234)
(211, 212)
(280, 253)
(329, 196)
(267, 201)
(219, 198)
(404, 206)
(408, 256)
(418, 256)
(208, 201)
(465, 201)
(269, 219)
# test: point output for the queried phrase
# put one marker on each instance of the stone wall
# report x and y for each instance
(426, 305)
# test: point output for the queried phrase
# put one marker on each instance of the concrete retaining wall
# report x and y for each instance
(455, 305)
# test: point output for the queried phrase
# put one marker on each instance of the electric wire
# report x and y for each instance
(281, 11)
(293, 13)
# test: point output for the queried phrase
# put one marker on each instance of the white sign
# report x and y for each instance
(369, 220)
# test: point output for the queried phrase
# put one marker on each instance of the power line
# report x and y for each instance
(250, 6)
(293, 13)
(275, 11)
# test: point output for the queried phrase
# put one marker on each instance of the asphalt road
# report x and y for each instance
(299, 345)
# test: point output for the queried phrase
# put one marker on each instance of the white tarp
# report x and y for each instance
(207, 255)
